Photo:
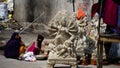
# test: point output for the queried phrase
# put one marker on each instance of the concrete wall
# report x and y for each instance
(29, 10)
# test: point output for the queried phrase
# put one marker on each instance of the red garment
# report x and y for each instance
(111, 13)
(80, 14)
(31, 48)
(95, 8)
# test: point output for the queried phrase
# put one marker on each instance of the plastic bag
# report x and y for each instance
(29, 56)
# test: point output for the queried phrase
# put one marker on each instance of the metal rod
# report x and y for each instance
(32, 22)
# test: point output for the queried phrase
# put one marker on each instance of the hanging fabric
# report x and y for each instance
(96, 8)
(111, 13)
(118, 24)
(117, 1)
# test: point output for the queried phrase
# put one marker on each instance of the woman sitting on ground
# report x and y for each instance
(35, 46)
(14, 47)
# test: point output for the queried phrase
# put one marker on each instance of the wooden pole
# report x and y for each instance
(73, 5)
(99, 47)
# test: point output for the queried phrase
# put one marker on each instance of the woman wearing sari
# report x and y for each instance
(35, 46)
(13, 46)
